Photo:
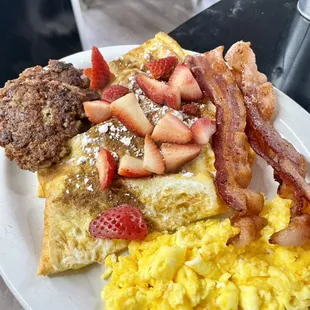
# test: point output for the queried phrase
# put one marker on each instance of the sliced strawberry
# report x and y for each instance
(123, 222)
(128, 111)
(183, 78)
(177, 155)
(202, 130)
(100, 76)
(173, 97)
(155, 90)
(171, 129)
(132, 167)
(106, 166)
(114, 92)
(191, 109)
(88, 72)
(97, 111)
(153, 160)
(162, 67)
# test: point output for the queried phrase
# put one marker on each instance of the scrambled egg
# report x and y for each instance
(194, 269)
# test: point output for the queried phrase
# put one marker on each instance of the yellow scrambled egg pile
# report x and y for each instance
(194, 269)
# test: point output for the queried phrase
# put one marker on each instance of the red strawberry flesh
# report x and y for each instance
(183, 78)
(173, 97)
(114, 92)
(162, 67)
(101, 74)
(155, 90)
(202, 130)
(106, 166)
(123, 222)
(97, 111)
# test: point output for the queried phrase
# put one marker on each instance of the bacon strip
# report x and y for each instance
(289, 166)
(240, 54)
(230, 144)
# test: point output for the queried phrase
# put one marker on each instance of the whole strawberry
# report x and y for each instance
(123, 222)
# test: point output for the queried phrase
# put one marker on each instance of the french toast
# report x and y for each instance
(72, 189)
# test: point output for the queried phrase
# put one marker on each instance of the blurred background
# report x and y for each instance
(33, 31)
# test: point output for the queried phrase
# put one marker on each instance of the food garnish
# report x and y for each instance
(132, 167)
(160, 68)
(97, 111)
(114, 92)
(128, 111)
(171, 129)
(154, 89)
(123, 222)
(173, 97)
(202, 129)
(100, 73)
(177, 155)
(183, 78)
(88, 72)
(106, 167)
(153, 160)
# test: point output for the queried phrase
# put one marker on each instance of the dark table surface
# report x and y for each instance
(280, 37)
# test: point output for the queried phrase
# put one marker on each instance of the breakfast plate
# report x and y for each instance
(21, 216)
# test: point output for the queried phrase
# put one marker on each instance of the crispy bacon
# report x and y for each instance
(241, 54)
(230, 144)
(289, 166)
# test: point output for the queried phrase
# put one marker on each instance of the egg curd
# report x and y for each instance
(194, 269)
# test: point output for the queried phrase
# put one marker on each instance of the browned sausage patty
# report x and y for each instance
(40, 111)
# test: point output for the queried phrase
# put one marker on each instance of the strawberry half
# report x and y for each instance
(114, 92)
(128, 111)
(106, 166)
(183, 78)
(97, 111)
(155, 90)
(153, 160)
(88, 72)
(202, 130)
(132, 167)
(171, 129)
(123, 222)
(162, 67)
(173, 97)
(100, 76)
(177, 155)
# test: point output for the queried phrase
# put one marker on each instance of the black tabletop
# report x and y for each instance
(280, 37)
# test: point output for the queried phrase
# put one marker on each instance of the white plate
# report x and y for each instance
(21, 217)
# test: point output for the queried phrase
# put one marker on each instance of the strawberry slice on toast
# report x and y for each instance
(173, 97)
(97, 111)
(106, 167)
(123, 222)
(202, 130)
(161, 68)
(177, 155)
(171, 129)
(128, 111)
(155, 90)
(132, 167)
(182, 77)
(153, 160)
(114, 92)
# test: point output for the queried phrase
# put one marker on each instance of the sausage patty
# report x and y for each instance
(40, 111)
